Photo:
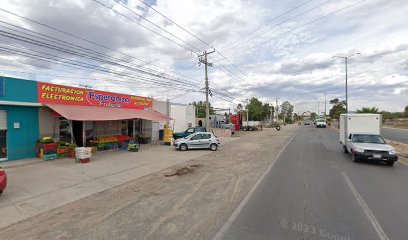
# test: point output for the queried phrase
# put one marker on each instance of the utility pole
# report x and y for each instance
(203, 59)
(325, 104)
(345, 63)
(276, 109)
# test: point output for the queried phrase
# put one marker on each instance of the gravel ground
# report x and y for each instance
(188, 201)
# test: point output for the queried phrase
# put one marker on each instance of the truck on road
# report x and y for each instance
(360, 135)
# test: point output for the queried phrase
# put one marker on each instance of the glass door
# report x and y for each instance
(3, 135)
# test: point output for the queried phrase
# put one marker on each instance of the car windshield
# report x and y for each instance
(190, 130)
(366, 138)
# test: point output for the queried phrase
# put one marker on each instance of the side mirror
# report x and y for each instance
(348, 140)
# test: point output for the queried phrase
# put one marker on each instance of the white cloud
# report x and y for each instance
(294, 65)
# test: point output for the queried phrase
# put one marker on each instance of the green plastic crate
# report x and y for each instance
(49, 157)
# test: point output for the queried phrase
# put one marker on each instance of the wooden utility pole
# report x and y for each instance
(203, 59)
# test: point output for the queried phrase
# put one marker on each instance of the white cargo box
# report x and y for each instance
(359, 123)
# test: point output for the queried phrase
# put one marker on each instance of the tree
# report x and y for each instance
(258, 111)
(313, 115)
(200, 109)
(368, 110)
(406, 111)
(338, 108)
(287, 110)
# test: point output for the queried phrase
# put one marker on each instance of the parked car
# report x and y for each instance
(204, 140)
(321, 123)
(189, 131)
(3, 180)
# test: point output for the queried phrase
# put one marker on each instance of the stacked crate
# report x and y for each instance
(48, 151)
(62, 152)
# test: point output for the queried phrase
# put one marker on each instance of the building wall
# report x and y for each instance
(178, 113)
(47, 123)
(21, 141)
(19, 90)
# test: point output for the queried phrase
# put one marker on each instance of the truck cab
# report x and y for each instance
(189, 131)
(362, 146)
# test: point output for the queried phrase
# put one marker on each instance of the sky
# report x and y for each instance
(263, 48)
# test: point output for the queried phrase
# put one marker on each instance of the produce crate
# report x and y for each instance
(50, 146)
(62, 150)
(49, 151)
(49, 157)
(93, 149)
(124, 147)
(84, 160)
(62, 155)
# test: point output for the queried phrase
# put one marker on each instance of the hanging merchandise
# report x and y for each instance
(168, 135)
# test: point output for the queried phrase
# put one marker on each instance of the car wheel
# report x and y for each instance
(390, 163)
(213, 147)
(278, 128)
(345, 149)
(183, 147)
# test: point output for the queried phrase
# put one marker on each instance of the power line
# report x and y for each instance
(88, 41)
(131, 19)
(266, 24)
(310, 22)
(281, 23)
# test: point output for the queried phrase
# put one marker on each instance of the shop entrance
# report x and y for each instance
(77, 130)
(3, 135)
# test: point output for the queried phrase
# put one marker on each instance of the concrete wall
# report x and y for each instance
(183, 117)
(162, 107)
(47, 122)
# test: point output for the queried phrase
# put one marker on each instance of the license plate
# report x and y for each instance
(376, 155)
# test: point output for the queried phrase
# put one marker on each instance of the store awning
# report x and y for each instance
(85, 113)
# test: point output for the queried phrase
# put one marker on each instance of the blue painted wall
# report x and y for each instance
(19, 90)
(21, 141)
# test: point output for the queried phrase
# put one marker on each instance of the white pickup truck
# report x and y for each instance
(360, 135)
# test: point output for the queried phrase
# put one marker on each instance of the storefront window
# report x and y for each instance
(89, 131)
(64, 130)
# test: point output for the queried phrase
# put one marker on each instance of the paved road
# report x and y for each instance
(314, 191)
(396, 134)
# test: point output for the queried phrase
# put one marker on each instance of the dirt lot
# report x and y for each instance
(189, 201)
(397, 123)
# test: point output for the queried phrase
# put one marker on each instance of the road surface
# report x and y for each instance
(314, 191)
(395, 134)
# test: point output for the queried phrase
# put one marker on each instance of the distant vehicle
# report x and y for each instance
(306, 123)
(321, 123)
(236, 119)
(361, 137)
(3, 180)
(201, 140)
(189, 131)
(229, 126)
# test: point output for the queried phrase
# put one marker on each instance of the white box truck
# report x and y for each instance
(360, 135)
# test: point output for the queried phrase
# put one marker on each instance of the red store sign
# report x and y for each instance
(59, 94)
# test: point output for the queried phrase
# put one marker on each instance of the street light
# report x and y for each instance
(345, 63)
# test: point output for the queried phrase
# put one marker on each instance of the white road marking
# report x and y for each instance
(380, 232)
(220, 234)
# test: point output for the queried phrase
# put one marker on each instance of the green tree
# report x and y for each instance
(368, 110)
(338, 108)
(287, 110)
(406, 111)
(313, 115)
(200, 109)
(258, 111)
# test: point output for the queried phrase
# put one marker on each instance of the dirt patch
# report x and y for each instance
(192, 206)
(397, 123)
(183, 170)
